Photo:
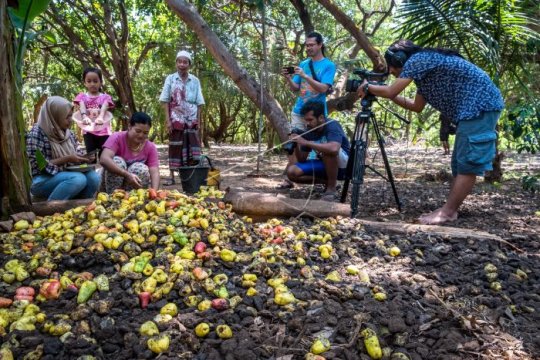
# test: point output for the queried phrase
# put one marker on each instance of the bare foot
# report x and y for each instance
(437, 217)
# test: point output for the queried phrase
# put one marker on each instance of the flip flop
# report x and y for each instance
(330, 196)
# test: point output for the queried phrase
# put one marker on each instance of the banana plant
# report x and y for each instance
(21, 16)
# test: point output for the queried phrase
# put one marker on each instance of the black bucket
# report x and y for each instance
(193, 177)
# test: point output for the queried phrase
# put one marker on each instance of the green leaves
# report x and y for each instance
(481, 30)
(41, 161)
(524, 126)
(21, 18)
(27, 11)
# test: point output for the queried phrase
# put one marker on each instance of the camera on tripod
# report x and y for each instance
(289, 147)
(374, 78)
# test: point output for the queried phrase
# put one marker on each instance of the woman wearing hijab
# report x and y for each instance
(51, 147)
(182, 98)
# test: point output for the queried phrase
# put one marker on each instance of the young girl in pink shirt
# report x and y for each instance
(93, 106)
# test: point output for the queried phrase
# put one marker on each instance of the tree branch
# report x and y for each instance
(359, 36)
(149, 46)
(304, 16)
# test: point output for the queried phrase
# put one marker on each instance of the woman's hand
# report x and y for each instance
(75, 158)
(133, 180)
(99, 120)
(169, 126)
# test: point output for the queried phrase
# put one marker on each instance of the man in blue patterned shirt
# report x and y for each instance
(462, 92)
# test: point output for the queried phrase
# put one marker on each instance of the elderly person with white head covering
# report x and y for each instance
(182, 100)
(52, 148)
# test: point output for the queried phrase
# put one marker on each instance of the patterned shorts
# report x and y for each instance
(112, 181)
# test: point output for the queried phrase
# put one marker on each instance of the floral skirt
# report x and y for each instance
(112, 181)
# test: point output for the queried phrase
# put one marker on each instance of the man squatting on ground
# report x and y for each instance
(311, 80)
(462, 92)
(322, 153)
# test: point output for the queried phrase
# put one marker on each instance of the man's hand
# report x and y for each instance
(133, 180)
(285, 73)
(300, 72)
(360, 90)
(299, 140)
(168, 124)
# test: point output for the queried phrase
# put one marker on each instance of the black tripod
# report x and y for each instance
(356, 166)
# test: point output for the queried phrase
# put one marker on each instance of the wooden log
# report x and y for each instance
(271, 205)
(265, 205)
(57, 206)
(443, 231)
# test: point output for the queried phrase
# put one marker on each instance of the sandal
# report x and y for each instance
(286, 184)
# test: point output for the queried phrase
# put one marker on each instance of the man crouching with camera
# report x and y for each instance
(322, 151)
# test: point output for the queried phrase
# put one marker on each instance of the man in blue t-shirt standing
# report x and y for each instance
(322, 152)
(461, 91)
(312, 79)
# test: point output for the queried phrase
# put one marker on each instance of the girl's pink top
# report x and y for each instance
(93, 107)
(148, 155)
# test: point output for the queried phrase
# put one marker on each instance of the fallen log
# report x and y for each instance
(265, 205)
(44, 208)
(271, 205)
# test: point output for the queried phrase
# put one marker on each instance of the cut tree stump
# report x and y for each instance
(266, 205)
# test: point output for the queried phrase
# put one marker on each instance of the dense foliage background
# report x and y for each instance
(134, 42)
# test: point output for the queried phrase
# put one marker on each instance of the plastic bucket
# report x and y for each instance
(193, 177)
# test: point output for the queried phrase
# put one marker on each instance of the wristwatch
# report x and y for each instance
(366, 89)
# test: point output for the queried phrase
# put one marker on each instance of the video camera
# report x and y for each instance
(289, 147)
(372, 77)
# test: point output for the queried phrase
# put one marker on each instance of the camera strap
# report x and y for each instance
(314, 76)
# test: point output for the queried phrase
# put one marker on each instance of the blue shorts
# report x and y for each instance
(474, 148)
(316, 169)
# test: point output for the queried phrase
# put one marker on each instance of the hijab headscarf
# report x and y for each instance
(56, 109)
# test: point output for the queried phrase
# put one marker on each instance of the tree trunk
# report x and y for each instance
(496, 174)
(13, 164)
(247, 84)
(303, 14)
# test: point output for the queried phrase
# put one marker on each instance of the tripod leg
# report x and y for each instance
(380, 141)
(350, 164)
(359, 167)
(358, 176)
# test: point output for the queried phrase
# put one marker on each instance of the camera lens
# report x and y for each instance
(289, 147)
(352, 85)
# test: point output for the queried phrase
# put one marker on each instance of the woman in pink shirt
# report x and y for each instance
(129, 159)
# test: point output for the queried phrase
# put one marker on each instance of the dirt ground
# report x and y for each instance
(457, 315)
(462, 317)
